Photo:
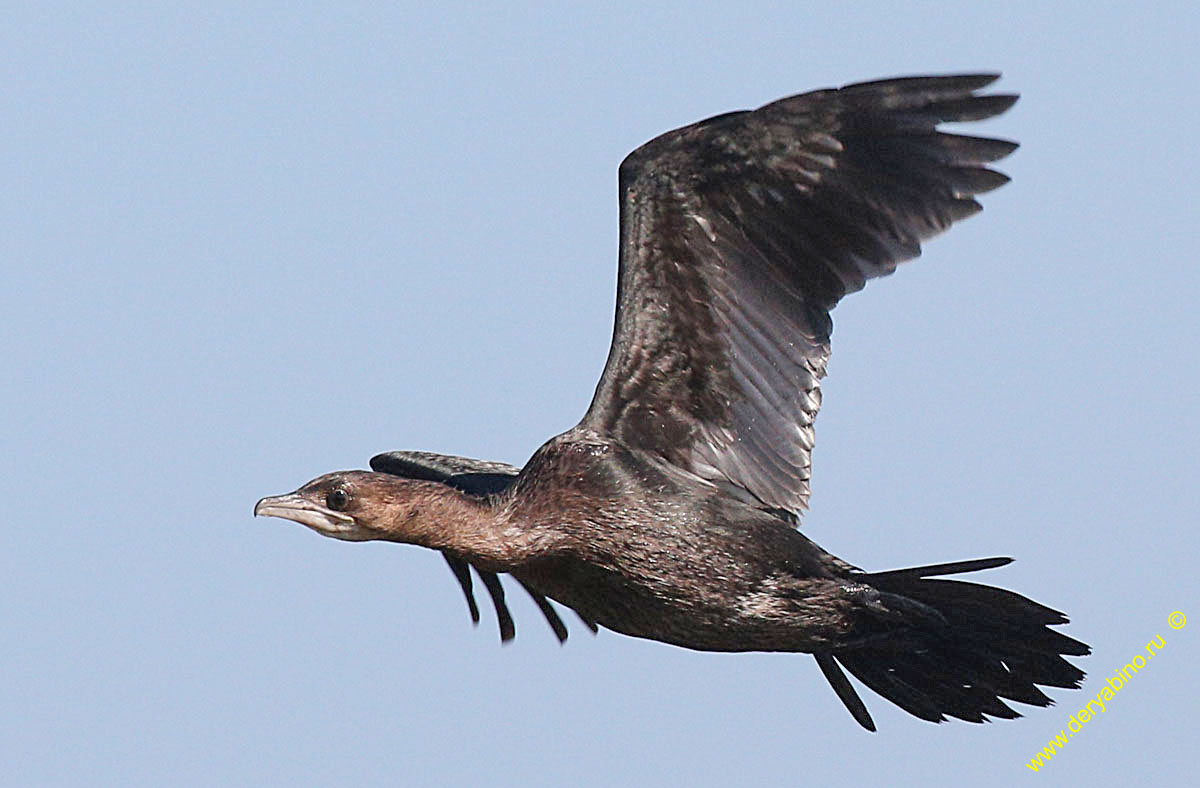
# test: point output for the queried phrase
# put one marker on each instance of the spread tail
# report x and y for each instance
(948, 648)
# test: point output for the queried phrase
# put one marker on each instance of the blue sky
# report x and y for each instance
(245, 244)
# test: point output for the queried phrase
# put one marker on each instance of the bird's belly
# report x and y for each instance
(706, 613)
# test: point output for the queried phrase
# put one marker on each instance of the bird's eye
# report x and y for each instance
(337, 499)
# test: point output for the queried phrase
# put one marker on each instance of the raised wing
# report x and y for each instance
(740, 233)
(479, 478)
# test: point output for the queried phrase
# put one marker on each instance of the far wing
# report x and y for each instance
(740, 233)
(474, 477)
(478, 478)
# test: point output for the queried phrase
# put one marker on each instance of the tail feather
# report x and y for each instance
(954, 568)
(996, 617)
(985, 646)
(845, 690)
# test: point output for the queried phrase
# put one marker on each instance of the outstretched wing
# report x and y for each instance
(740, 233)
(478, 478)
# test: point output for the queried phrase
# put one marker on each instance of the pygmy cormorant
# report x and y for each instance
(670, 511)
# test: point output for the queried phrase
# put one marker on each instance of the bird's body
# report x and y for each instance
(670, 511)
(718, 574)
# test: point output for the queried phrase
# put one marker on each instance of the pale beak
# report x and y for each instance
(317, 516)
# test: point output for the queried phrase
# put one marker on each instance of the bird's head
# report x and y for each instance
(358, 506)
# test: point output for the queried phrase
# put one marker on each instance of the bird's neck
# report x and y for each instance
(442, 518)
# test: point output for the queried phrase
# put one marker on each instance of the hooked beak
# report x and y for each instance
(316, 516)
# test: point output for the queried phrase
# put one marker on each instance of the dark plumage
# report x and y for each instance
(669, 512)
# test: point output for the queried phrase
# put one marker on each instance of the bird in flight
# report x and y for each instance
(670, 511)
